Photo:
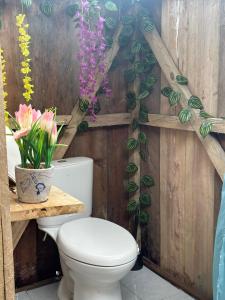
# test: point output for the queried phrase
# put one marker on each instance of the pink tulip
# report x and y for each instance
(25, 117)
(47, 121)
(54, 134)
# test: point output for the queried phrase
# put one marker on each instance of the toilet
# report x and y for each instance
(95, 254)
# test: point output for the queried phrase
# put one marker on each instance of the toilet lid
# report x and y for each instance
(97, 242)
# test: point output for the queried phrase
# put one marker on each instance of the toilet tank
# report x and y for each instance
(75, 177)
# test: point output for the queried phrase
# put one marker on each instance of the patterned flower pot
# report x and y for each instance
(33, 185)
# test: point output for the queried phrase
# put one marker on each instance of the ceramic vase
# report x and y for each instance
(33, 185)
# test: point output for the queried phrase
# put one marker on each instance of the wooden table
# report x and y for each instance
(59, 203)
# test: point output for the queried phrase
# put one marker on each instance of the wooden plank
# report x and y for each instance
(108, 120)
(172, 122)
(187, 176)
(7, 289)
(59, 203)
(77, 115)
(170, 70)
(18, 229)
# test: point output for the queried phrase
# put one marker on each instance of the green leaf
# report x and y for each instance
(136, 47)
(111, 6)
(72, 9)
(149, 82)
(181, 80)
(143, 114)
(206, 128)
(145, 199)
(132, 187)
(132, 144)
(174, 98)
(142, 138)
(135, 124)
(205, 115)
(83, 126)
(46, 7)
(97, 107)
(131, 101)
(26, 3)
(109, 42)
(123, 40)
(143, 95)
(127, 31)
(83, 105)
(185, 115)
(195, 102)
(147, 181)
(143, 217)
(139, 67)
(147, 24)
(131, 168)
(128, 20)
(129, 75)
(166, 91)
(132, 207)
(110, 23)
(143, 154)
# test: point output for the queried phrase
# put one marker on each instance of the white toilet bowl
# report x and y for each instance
(95, 255)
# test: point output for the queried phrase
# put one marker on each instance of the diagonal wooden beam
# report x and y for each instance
(77, 115)
(170, 70)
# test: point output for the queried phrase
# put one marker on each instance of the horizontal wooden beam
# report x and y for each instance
(173, 122)
(170, 70)
(110, 120)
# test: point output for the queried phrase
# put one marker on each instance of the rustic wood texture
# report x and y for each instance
(7, 290)
(170, 70)
(18, 229)
(59, 203)
(187, 176)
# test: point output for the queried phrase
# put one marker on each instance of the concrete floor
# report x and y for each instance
(141, 285)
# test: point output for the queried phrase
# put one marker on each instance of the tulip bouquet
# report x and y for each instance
(36, 135)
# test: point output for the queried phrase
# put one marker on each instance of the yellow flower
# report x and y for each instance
(24, 44)
(4, 80)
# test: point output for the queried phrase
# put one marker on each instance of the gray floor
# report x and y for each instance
(141, 285)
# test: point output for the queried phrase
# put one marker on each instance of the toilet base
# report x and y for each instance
(88, 292)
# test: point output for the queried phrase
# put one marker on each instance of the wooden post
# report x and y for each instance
(170, 70)
(7, 290)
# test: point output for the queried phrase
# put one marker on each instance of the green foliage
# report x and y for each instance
(46, 7)
(143, 217)
(110, 23)
(147, 181)
(185, 115)
(142, 138)
(83, 105)
(131, 100)
(181, 80)
(135, 124)
(26, 3)
(148, 82)
(72, 9)
(131, 168)
(206, 128)
(143, 113)
(132, 187)
(174, 98)
(83, 126)
(132, 144)
(128, 20)
(111, 6)
(143, 95)
(205, 115)
(132, 207)
(129, 75)
(166, 91)
(195, 102)
(136, 47)
(147, 24)
(145, 200)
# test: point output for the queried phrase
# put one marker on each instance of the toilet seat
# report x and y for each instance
(97, 242)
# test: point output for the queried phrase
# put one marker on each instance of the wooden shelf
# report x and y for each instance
(59, 203)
